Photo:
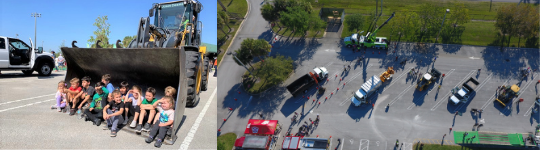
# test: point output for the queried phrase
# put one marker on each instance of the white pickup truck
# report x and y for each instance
(17, 55)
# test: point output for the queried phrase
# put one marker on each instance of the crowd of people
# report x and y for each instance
(104, 102)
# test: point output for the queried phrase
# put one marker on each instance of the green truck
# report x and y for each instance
(370, 40)
(495, 138)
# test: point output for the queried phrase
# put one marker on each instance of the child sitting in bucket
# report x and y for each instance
(163, 123)
(60, 97)
(147, 107)
(169, 91)
(113, 113)
(133, 104)
(73, 95)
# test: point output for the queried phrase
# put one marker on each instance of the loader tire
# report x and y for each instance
(204, 75)
(192, 61)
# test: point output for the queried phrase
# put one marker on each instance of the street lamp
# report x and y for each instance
(35, 15)
(447, 10)
(234, 55)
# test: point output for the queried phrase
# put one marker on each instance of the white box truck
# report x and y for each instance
(363, 94)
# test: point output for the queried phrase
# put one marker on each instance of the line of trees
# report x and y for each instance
(518, 21)
(295, 15)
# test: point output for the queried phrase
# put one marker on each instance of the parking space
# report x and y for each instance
(364, 144)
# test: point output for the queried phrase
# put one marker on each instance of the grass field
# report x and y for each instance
(227, 139)
(238, 8)
(416, 146)
(480, 33)
(477, 10)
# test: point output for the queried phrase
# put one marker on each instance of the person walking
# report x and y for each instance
(349, 67)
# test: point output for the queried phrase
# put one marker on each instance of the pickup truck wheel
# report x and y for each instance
(28, 72)
(45, 69)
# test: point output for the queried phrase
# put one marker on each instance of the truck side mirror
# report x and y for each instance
(151, 12)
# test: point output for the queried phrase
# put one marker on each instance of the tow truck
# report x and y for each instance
(370, 40)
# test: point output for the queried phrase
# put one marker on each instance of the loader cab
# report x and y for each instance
(179, 16)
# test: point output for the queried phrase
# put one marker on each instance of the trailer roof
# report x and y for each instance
(371, 83)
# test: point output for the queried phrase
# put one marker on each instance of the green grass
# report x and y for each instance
(480, 33)
(227, 139)
(238, 7)
(310, 34)
(477, 10)
(416, 146)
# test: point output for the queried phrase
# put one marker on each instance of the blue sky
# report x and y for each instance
(73, 19)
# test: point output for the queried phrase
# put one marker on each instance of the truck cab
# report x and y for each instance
(321, 72)
(465, 93)
(17, 55)
(354, 39)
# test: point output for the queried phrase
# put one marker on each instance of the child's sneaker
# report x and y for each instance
(107, 127)
(158, 143)
(138, 129)
(133, 124)
(146, 127)
(149, 139)
(59, 109)
(98, 122)
(125, 121)
(113, 133)
(53, 107)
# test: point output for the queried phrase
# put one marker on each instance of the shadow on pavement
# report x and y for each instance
(5, 75)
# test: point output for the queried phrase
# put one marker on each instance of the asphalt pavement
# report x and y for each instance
(413, 116)
(26, 120)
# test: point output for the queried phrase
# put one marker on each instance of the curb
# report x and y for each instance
(237, 30)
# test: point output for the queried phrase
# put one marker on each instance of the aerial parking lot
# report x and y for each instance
(397, 111)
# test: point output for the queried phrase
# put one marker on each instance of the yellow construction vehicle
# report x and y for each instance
(164, 53)
(387, 74)
(427, 78)
(507, 94)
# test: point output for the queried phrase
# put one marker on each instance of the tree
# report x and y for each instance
(430, 17)
(355, 22)
(225, 18)
(269, 13)
(318, 24)
(102, 33)
(127, 40)
(220, 24)
(505, 21)
(295, 18)
(460, 14)
(276, 69)
(529, 22)
(245, 57)
(255, 48)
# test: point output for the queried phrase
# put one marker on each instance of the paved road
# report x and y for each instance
(28, 122)
(413, 116)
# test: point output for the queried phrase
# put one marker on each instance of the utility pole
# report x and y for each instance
(242, 64)
(447, 10)
(42, 43)
(35, 15)
(222, 6)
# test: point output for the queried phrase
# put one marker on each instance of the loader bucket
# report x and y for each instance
(145, 67)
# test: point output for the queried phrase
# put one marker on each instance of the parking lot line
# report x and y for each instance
(476, 90)
(397, 79)
(367, 143)
(491, 99)
(195, 126)
(26, 105)
(520, 93)
(400, 94)
(26, 99)
(414, 100)
(343, 141)
(449, 92)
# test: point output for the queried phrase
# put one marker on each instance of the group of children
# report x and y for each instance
(104, 102)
